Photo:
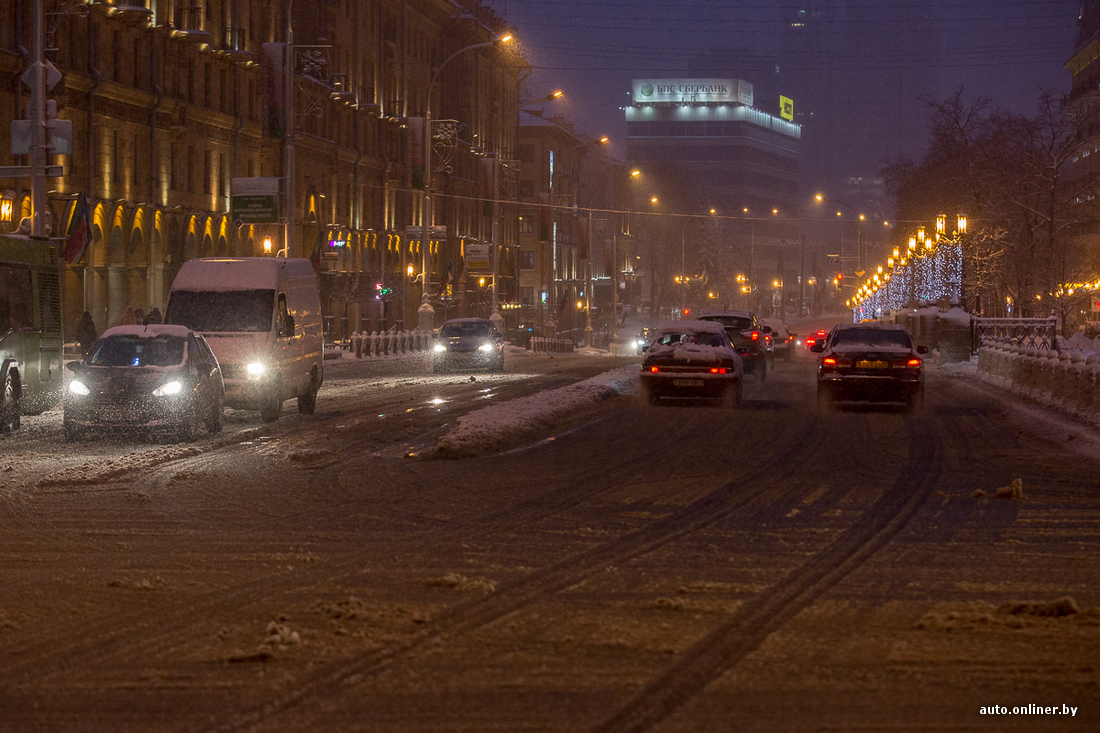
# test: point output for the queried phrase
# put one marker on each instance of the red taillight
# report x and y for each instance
(829, 361)
(810, 342)
(755, 335)
(717, 370)
(653, 369)
(914, 364)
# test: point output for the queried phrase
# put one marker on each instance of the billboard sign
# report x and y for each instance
(786, 108)
(727, 91)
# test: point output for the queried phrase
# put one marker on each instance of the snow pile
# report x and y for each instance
(526, 418)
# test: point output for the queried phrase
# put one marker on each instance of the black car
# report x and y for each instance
(692, 359)
(644, 339)
(468, 343)
(161, 378)
(747, 335)
(870, 362)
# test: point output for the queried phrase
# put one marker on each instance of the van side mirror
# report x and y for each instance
(922, 349)
(817, 348)
(74, 366)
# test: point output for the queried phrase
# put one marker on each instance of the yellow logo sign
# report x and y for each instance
(786, 108)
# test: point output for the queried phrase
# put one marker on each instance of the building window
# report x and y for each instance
(527, 225)
(526, 260)
(527, 189)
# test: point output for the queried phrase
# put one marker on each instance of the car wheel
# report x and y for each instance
(271, 408)
(762, 369)
(307, 403)
(915, 401)
(824, 399)
(185, 431)
(214, 420)
(734, 395)
(787, 353)
(650, 396)
(72, 432)
(10, 409)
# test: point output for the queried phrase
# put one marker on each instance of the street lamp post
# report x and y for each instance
(426, 198)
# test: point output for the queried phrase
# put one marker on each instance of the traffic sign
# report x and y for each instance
(59, 137)
(24, 171)
(52, 75)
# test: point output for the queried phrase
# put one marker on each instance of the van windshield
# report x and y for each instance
(221, 311)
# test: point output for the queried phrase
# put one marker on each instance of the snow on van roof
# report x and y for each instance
(150, 331)
(240, 273)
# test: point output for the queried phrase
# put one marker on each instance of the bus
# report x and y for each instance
(31, 344)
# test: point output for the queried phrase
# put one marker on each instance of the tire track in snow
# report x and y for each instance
(756, 619)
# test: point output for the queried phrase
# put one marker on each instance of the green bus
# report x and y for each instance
(31, 344)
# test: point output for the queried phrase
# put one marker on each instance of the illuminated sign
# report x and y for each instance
(786, 108)
(727, 91)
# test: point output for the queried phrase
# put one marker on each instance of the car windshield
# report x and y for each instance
(466, 328)
(736, 322)
(871, 337)
(222, 311)
(137, 351)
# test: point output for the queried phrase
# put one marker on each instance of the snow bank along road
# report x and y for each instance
(670, 569)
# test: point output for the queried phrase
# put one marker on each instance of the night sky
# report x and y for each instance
(872, 60)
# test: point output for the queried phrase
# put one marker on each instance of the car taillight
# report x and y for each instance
(653, 369)
(829, 361)
(717, 370)
(914, 364)
(755, 335)
(810, 342)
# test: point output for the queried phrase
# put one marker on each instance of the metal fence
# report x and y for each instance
(1034, 333)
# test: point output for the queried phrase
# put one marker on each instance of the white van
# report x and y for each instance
(262, 318)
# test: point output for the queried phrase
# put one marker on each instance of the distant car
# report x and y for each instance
(818, 337)
(692, 359)
(468, 343)
(870, 362)
(781, 338)
(645, 337)
(158, 377)
(748, 338)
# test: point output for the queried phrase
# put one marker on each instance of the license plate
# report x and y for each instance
(865, 364)
(687, 382)
(118, 415)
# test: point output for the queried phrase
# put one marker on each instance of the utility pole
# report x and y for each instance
(38, 124)
(288, 142)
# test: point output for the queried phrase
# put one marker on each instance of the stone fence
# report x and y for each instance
(1068, 379)
(391, 343)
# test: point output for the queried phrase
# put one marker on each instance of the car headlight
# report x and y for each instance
(170, 388)
(486, 347)
(256, 369)
(439, 348)
(78, 388)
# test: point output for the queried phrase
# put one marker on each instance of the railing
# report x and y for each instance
(1035, 333)
(541, 345)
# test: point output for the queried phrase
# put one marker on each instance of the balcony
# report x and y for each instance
(187, 25)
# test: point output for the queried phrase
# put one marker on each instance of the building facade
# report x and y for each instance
(570, 226)
(172, 101)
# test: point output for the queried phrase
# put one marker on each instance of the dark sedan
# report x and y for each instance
(870, 363)
(692, 359)
(161, 378)
(468, 343)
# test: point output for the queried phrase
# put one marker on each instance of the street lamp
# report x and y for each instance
(426, 198)
(859, 227)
